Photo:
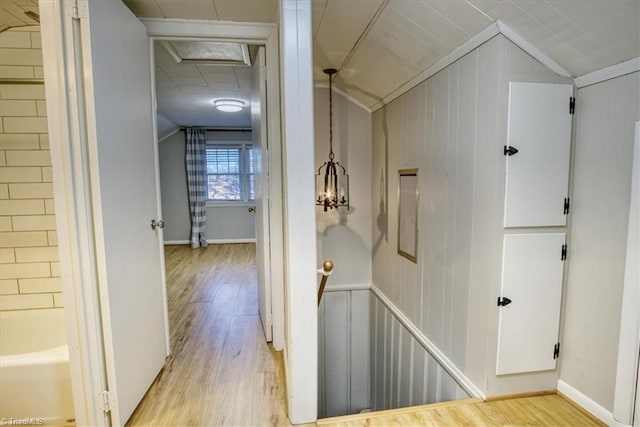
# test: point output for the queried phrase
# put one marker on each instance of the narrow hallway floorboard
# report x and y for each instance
(220, 372)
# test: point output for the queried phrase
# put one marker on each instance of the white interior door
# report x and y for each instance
(261, 174)
(539, 127)
(115, 60)
(532, 279)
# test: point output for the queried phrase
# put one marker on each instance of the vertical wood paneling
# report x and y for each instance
(433, 394)
(360, 327)
(451, 211)
(378, 392)
(321, 360)
(405, 368)
(452, 127)
(418, 363)
(403, 372)
(388, 365)
(345, 351)
(462, 229)
(336, 355)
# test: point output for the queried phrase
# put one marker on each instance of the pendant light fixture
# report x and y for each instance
(332, 187)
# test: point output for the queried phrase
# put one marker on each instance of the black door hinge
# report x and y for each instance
(556, 351)
(572, 104)
(509, 150)
(566, 205)
(563, 254)
(503, 301)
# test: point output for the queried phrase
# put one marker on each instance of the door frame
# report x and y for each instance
(254, 33)
(60, 27)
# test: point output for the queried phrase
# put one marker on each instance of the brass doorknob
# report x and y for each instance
(252, 209)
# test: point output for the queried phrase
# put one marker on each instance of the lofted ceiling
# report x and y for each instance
(379, 45)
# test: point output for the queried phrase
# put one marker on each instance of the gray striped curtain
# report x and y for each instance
(196, 160)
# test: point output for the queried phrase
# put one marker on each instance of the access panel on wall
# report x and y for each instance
(529, 302)
(537, 152)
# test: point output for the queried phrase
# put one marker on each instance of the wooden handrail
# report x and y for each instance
(327, 268)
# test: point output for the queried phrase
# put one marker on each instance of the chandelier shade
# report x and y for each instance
(332, 180)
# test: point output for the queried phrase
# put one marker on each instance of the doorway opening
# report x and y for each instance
(219, 90)
(217, 297)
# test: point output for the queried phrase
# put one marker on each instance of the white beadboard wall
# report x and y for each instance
(224, 223)
(605, 122)
(452, 127)
(344, 358)
(29, 268)
(403, 373)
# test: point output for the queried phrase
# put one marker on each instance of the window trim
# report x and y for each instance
(244, 174)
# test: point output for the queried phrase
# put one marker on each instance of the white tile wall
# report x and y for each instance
(29, 268)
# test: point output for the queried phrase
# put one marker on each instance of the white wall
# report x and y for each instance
(605, 116)
(345, 238)
(452, 127)
(224, 223)
(29, 268)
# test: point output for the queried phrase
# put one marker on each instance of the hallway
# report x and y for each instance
(220, 371)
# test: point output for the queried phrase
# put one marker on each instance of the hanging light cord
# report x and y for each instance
(330, 118)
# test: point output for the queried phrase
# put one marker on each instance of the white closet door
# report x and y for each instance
(532, 279)
(539, 127)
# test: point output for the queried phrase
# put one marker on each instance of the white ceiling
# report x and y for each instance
(405, 37)
(185, 91)
(378, 45)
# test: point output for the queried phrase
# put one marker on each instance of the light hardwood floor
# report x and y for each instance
(221, 372)
(547, 410)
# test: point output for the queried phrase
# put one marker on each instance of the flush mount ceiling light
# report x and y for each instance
(208, 53)
(229, 105)
(332, 189)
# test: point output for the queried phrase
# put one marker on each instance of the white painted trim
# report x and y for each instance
(156, 165)
(299, 210)
(72, 198)
(193, 28)
(440, 357)
(72, 191)
(587, 404)
(210, 241)
(629, 340)
(229, 241)
(608, 73)
(177, 242)
(344, 95)
(257, 33)
(276, 216)
(523, 44)
(347, 288)
(473, 43)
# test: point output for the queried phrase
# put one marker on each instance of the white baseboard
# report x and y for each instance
(588, 404)
(446, 363)
(211, 241)
(176, 242)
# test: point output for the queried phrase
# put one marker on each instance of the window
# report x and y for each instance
(230, 176)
